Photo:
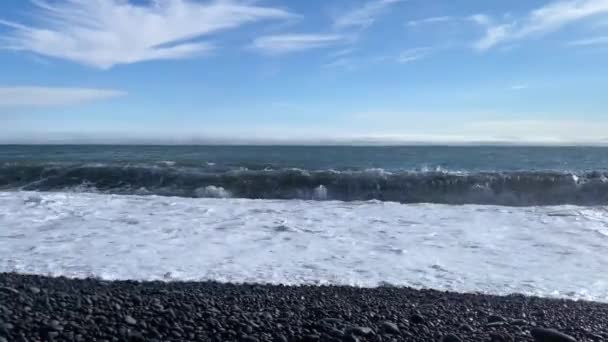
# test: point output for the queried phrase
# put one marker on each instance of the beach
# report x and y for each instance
(61, 309)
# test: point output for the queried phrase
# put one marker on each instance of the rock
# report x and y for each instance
(519, 322)
(496, 318)
(451, 338)
(361, 331)
(550, 335)
(495, 324)
(335, 332)
(5, 327)
(248, 339)
(390, 327)
(130, 320)
(594, 337)
(2, 339)
(55, 325)
(311, 338)
(136, 336)
(494, 337)
(350, 338)
(34, 290)
(417, 319)
(9, 290)
(466, 328)
(280, 338)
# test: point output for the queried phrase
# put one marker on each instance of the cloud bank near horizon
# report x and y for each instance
(516, 132)
(29, 96)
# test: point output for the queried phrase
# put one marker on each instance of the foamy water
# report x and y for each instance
(549, 251)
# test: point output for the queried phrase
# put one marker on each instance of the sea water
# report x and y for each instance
(500, 220)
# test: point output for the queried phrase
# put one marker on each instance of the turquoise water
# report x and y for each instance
(318, 158)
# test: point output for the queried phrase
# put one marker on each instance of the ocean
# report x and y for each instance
(499, 220)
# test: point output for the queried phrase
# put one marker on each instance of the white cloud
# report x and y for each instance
(48, 96)
(341, 52)
(406, 56)
(359, 17)
(412, 55)
(345, 63)
(363, 16)
(519, 87)
(590, 41)
(431, 20)
(480, 19)
(493, 36)
(105, 33)
(556, 131)
(543, 20)
(285, 43)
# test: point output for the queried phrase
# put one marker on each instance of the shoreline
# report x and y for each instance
(61, 309)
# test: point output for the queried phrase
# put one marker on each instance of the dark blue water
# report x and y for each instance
(452, 175)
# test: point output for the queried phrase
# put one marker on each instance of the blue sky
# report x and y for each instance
(304, 71)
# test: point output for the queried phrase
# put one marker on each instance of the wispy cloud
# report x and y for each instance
(363, 16)
(547, 131)
(285, 43)
(342, 52)
(519, 87)
(480, 19)
(412, 55)
(602, 40)
(105, 33)
(541, 21)
(49, 96)
(431, 20)
(347, 63)
(406, 56)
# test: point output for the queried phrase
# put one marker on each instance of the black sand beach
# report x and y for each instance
(36, 308)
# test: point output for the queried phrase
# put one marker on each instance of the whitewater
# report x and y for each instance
(551, 251)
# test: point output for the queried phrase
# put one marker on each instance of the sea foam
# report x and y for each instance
(559, 251)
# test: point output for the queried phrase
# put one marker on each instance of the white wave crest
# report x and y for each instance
(212, 191)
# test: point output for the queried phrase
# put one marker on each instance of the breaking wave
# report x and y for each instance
(497, 188)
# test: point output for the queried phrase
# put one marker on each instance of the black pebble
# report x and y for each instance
(496, 318)
(519, 322)
(91, 310)
(130, 320)
(311, 338)
(466, 328)
(417, 319)
(550, 335)
(451, 338)
(361, 331)
(390, 327)
(350, 338)
(494, 337)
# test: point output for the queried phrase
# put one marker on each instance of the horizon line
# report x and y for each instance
(319, 144)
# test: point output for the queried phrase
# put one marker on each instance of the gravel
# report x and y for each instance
(37, 308)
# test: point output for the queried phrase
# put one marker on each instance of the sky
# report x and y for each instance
(314, 71)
